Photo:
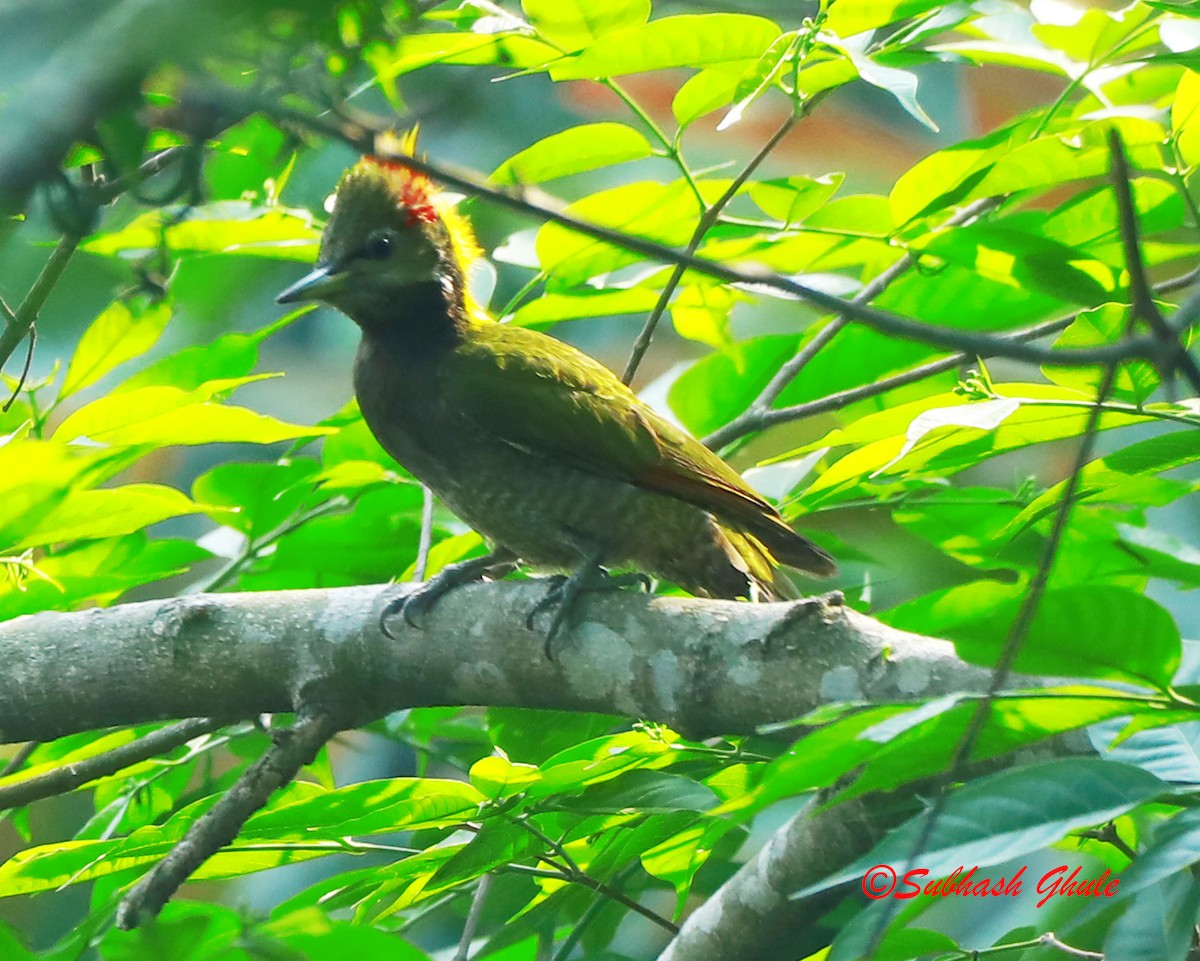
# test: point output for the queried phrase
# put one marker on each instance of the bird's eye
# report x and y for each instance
(378, 247)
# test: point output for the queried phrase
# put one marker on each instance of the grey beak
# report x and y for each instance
(315, 285)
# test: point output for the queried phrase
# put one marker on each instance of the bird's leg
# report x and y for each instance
(566, 589)
(416, 603)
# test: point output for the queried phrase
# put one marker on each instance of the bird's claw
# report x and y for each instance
(565, 590)
(553, 596)
(419, 601)
(413, 607)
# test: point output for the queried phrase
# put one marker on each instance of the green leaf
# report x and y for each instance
(687, 40)
(1014, 252)
(220, 227)
(665, 213)
(117, 335)
(497, 843)
(701, 312)
(312, 934)
(1185, 118)
(259, 497)
(1136, 381)
(1129, 473)
(934, 436)
(1071, 155)
(791, 200)
(945, 177)
(849, 17)
(645, 792)
(11, 949)
(572, 24)
(91, 514)
(532, 736)
(1006, 815)
(901, 84)
(373, 541)
(418, 50)
(585, 147)
(601, 759)
(677, 859)
(1090, 35)
(761, 77)
(887, 745)
(497, 777)
(168, 416)
(370, 807)
(98, 572)
(1175, 848)
(708, 90)
(1090, 219)
(229, 356)
(1077, 631)
(1159, 925)
(585, 301)
(713, 390)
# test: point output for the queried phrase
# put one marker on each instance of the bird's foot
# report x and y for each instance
(565, 590)
(420, 601)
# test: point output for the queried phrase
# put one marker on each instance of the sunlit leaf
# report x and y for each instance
(686, 40)
(573, 151)
(221, 227)
(167, 416)
(573, 23)
(117, 335)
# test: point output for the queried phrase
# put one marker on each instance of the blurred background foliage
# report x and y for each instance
(154, 449)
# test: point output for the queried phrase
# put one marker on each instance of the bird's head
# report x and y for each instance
(390, 230)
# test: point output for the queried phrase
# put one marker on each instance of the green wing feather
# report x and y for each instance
(542, 395)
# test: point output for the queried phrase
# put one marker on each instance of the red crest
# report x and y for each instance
(413, 190)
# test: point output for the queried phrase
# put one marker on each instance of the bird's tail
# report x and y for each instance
(761, 568)
(792, 549)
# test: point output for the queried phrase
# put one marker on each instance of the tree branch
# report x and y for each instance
(707, 219)
(64, 779)
(752, 917)
(372, 135)
(751, 420)
(290, 750)
(704, 667)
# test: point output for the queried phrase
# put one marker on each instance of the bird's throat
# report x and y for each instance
(420, 321)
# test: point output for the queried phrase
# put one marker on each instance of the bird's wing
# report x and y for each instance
(544, 396)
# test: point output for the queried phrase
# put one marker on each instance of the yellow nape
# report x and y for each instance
(417, 191)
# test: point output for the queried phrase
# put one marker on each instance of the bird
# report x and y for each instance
(540, 448)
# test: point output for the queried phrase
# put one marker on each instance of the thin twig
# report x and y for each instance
(30, 344)
(25, 315)
(585, 920)
(1141, 297)
(1108, 834)
(426, 539)
(252, 547)
(290, 750)
(570, 871)
(21, 322)
(67, 778)
(707, 219)
(745, 424)
(787, 373)
(17, 761)
(1049, 940)
(1012, 647)
(473, 918)
(1027, 611)
(364, 134)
